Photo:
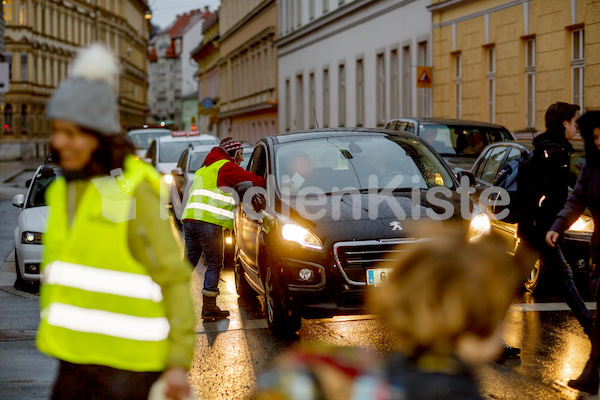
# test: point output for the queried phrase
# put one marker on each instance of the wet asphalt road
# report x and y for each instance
(230, 353)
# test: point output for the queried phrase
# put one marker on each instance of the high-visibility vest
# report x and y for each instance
(206, 201)
(98, 303)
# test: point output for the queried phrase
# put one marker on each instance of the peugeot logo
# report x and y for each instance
(395, 226)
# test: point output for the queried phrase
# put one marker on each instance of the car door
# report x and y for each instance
(248, 224)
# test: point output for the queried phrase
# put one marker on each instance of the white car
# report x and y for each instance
(142, 138)
(31, 225)
(165, 151)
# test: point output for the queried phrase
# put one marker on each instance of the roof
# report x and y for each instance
(450, 121)
(331, 132)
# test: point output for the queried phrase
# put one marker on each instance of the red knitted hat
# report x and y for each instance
(230, 144)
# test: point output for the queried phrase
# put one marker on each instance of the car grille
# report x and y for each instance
(355, 258)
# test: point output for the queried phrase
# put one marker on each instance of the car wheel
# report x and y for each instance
(19, 282)
(534, 282)
(242, 287)
(282, 321)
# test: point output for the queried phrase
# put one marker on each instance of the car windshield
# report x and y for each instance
(142, 140)
(39, 184)
(358, 162)
(461, 140)
(171, 151)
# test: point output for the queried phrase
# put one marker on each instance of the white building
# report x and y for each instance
(352, 62)
(172, 69)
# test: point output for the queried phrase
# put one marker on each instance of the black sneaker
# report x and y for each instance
(510, 351)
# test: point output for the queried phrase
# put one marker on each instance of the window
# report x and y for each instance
(325, 97)
(288, 106)
(341, 95)
(360, 93)
(491, 83)
(457, 85)
(299, 102)
(299, 13)
(394, 84)
(7, 11)
(530, 82)
(8, 122)
(423, 94)
(24, 67)
(406, 82)
(325, 6)
(311, 9)
(311, 101)
(24, 119)
(23, 13)
(577, 66)
(380, 100)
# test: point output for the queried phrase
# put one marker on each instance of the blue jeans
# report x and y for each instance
(205, 237)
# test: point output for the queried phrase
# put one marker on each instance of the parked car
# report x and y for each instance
(458, 141)
(164, 151)
(190, 161)
(577, 237)
(142, 138)
(31, 224)
(317, 247)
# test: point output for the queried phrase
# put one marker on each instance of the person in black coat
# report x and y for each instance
(543, 183)
(586, 194)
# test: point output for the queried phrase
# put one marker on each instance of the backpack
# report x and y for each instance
(523, 179)
(506, 179)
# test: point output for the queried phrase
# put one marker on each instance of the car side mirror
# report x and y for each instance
(28, 183)
(18, 200)
(177, 171)
(469, 176)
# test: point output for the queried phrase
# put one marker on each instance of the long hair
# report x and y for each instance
(588, 122)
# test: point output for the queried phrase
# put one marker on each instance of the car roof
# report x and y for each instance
(448, 121)
(333, 132)
(149, 130)
(198, 138)
(527, 143)
(202, 148)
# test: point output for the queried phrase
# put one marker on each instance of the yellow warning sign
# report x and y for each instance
(423, 77)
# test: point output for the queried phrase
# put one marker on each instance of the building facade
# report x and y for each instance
(207, 54)
(172, 71)
(248, 69)
(336, 68)
(42, 38)
(506, 61)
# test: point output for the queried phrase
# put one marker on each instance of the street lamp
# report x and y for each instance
(148, 14)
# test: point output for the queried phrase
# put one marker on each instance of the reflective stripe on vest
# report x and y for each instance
(207, 202)
(98, 303)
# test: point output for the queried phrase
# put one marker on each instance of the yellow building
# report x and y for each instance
(248, 69)
(42, 38)
(506, 61)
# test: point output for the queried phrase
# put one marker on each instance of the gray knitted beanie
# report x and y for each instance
(87, 97)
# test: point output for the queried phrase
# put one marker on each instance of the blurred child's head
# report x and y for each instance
(589, 127)
(448, 295)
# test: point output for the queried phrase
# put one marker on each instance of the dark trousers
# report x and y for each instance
(557, 270)
(98, 382)
(205, 237)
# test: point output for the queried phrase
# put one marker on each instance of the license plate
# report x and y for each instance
(377, 276)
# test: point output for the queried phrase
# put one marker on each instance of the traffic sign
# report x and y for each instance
(423, 77)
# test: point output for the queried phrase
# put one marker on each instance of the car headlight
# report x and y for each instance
(300, 235)
(583, 224)
(31, 238)
(168, 179)
(480, 225)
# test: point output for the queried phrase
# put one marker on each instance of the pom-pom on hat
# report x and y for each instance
(87, 97)
(230, 145)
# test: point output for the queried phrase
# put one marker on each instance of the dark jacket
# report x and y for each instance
(543, 183)
(585, 194)
(431, 379)
(231, 174)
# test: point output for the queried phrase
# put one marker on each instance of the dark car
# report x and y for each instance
(577, 238)
(339, 202)
(458, 141)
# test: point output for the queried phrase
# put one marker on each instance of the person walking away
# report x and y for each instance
(209, 210)
(115, 301)
(543, 183)
(586, 194)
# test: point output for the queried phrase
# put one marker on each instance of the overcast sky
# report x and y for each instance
(165, 11)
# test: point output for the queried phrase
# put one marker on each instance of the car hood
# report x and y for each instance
(35, 218)
(365, 217)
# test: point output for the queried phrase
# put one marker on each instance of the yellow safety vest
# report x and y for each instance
(207, 202)
(98, 304)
